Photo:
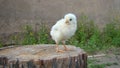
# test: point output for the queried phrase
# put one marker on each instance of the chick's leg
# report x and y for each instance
(65, 48)
(57, 49)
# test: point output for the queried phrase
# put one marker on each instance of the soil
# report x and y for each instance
(111, 59)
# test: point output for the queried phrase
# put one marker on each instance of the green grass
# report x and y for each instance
(92, 39)
(92, 64)
(40, 37)
(1, 44)
(87, 35)
(29, 36)
(43, 35)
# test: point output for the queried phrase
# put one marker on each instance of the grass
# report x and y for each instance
(43, 35)
(40, 37)
(87, 35)
(92, 63)
(92, 39)
(29, 36)
(1, 44)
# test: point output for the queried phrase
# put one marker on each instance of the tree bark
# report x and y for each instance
(42, 56)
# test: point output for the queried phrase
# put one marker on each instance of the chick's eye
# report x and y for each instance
(70, 19)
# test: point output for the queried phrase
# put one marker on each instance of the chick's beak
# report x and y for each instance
(67, 21)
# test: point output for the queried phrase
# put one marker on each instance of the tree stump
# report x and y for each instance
(42, 56)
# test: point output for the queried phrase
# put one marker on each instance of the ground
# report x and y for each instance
(110, 60)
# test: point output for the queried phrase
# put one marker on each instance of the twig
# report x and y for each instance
(100, 55)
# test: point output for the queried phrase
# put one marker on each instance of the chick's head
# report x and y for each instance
(70, 18)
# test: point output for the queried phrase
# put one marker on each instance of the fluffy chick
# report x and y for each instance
(63, 30)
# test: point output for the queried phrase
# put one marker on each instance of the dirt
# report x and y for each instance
(111, 59)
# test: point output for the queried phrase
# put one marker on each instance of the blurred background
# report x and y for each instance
(28, 22)
(15, 14)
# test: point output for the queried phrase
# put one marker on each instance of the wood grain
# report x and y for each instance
(42, 56)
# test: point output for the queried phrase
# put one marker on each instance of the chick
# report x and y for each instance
(63, 30)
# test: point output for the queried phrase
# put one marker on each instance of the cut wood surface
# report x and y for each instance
(42, 56)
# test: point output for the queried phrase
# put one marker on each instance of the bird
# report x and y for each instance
(63, 30)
